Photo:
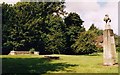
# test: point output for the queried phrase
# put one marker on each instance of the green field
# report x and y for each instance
(66, 64)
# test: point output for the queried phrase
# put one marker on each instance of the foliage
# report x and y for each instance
(29, 25)
(73, 19)
(55, 37)
(32, 50)
(118, 49)
(45, 27)
(74, 26)
(97, 31)
(8, 28)
(117, 42)
(85, 43)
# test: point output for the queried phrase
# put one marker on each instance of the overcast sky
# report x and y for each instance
(91, 11)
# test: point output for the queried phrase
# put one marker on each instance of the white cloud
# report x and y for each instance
(93, 12)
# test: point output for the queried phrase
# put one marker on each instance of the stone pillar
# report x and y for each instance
(109, 49)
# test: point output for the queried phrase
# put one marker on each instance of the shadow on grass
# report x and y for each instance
(18, 66)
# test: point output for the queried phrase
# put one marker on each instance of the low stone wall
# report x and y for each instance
(22, 52)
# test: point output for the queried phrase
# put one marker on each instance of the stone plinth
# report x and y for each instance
(12, 53)
(22, 52)
(36, 53)
(109, 49)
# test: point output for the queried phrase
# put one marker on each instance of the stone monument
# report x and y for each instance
(109, 49)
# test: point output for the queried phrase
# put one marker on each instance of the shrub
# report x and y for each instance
(32, 51)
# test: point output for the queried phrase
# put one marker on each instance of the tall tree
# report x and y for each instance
(73, 28)
(8, 25)
(25, 24)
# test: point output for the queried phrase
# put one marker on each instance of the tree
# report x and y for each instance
(39, 26)
(8, 23)
(73, 28)
(96, 30)
(25, 24)
(73, 19)
(98, 33)
(85, 43)
(55, 42)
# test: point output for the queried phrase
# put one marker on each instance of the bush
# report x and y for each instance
(87, 49)
(32, 51)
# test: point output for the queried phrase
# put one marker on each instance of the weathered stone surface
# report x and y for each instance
(109, 53)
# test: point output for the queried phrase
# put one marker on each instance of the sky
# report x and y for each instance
(91, 11)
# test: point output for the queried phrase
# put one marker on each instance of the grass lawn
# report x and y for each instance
(66, 64)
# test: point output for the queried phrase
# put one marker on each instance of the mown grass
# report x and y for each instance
(66, 64)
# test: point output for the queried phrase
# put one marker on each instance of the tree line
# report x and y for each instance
(47, 28)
